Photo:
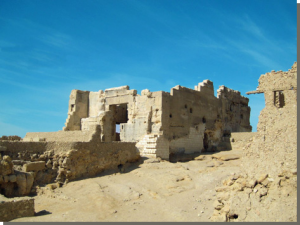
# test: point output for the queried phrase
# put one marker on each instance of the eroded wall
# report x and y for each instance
(27, 164)
(187, 120)
(276, 140)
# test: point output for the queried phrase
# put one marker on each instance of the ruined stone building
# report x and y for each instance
(276, 139)
(162, 123)
(267, 187)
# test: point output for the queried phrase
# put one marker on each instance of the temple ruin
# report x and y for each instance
(155, 124)
(183, 121)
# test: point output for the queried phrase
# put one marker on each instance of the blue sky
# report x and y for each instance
(49, 47)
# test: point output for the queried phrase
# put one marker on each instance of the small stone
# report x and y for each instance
(262, 178)
(255, 190)
(222, 189)
(226, 209)
(218, 205)
(251, 183)
(265, 182)
(294, 171)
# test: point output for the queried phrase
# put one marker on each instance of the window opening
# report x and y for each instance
(279, 99)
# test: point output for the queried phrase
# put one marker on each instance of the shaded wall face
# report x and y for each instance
(192, 114)
(235, 111)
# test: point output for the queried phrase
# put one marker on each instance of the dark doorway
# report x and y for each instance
(120, 113)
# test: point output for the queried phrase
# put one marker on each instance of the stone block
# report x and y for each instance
(21, 181)
(12, 178)
(3, 148)
(34, 166)
(6, 178)
(29, 182)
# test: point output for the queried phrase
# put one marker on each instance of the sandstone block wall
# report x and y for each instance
(15, 208)
(77, 135)
(28, 164)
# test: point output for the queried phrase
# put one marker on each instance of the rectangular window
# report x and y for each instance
(279, 99)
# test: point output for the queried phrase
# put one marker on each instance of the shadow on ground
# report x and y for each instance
(42, 213)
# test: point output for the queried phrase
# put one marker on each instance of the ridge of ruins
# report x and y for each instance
(184, 123)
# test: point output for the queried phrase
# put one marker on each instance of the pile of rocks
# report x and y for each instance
(243, 198)
(13, 182)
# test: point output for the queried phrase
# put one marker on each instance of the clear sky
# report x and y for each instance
(49, 47)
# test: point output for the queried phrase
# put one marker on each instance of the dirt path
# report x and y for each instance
(151, 191)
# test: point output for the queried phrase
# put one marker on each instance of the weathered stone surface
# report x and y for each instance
(3, 148)
(218, 205)
(262, 178)
(22, 183)
(6, 166)
(270, 154)
(14, 208)
(162, 123)
(226, 157)
(12, 178)
(6, 178)
(34, 166)
(29, 182)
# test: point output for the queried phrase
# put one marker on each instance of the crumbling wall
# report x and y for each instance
(10, 138)
(13, 183)
(39, 163)
(78, 109)
(268, 183)
(276, 139)
(235, 110)
(190, 120)
(15, 208)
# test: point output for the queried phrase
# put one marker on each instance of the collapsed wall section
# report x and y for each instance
(27, 164)
(268, 183)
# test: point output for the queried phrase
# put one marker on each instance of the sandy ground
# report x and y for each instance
(150, 190)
